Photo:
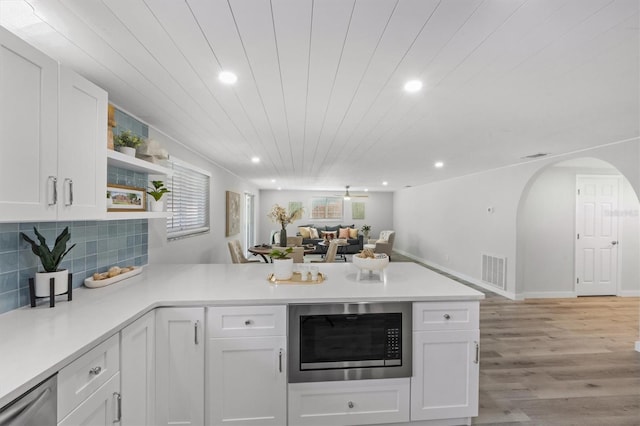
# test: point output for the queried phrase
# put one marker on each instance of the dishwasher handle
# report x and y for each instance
(19, 412)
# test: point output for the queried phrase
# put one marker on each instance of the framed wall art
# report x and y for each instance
(233, 214)
(121, 198)
(357, 211)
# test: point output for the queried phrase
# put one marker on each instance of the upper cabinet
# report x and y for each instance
(52, 138)
(28, 131)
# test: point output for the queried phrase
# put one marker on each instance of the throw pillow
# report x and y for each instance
(304, 232)
(344, 233)
(353, 233)
(329, 235)
(313, 233)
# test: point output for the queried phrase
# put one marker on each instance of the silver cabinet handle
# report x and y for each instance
(195, 332)
(280, 360)
(95, 371)
(477, 360)
(69, 184)
(118, 401)
(248, 322)
(447, 316)
(350, 404)
(54, 181)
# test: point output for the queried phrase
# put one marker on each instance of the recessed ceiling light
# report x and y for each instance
(366, 190)
(273, 181)
(255, 160)
(413, 85)
(438, 165)
(227, 77)
(385, 183)
(279, 188)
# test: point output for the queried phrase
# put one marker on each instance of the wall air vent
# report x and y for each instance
(538, 155)
(494, 270)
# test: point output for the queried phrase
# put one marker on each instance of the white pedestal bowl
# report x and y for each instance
(377, 264)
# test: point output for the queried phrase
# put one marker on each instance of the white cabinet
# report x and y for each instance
(102, 408)
(179, 366)
(137, 371)
(89, 387)
(82, 148)
(53, 143)
(247, 381)
(355, 402)
(444, 384)
(28, 131)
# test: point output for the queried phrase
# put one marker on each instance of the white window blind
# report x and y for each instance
(188, 201)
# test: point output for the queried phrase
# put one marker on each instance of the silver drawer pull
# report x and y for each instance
(95, 371)
(350, 404)
(248, 322)
(447, 316)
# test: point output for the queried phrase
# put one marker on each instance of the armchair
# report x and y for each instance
(384, 243)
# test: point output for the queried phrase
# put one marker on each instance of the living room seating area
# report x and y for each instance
(315, 234)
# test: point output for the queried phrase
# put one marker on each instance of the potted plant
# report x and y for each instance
(156, 192)
(279, 215)
(365, 231)
(282, 264)
(50, 260)
(127, 142)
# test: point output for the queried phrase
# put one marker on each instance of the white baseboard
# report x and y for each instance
(638, 346)
(550, 295)
(629, 293)
(457, 274)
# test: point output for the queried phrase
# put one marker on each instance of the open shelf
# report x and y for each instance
(118, 159)
(137, 215)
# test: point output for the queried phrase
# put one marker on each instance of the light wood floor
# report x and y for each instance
(558, 361)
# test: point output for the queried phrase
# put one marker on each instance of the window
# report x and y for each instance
(188, 200)
(326, 208)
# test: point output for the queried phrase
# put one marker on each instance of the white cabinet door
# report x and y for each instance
(179, 366)
(137, 371)
(100, 409)
(82, 149)
(247, 382)
(28, 131)
(444, 384)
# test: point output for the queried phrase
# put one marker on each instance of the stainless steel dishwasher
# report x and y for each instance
(37, 407)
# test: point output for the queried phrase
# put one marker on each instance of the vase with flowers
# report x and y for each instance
(279, 214)
(365, 231)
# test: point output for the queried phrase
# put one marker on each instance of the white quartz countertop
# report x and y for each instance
(37, 342)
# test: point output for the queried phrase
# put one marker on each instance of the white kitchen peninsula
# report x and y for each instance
(38, 342)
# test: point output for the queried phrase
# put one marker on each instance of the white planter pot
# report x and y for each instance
(127, 150)
(156, 206)
(282, 269)
(42, 282)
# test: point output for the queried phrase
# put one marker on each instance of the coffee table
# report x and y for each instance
(264, 251)
(341, 248)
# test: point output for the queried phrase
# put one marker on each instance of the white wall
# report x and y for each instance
(446, 223)
(212, 246)
(378, 211)
(546, 233)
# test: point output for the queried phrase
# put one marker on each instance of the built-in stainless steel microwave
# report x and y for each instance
(349, 341)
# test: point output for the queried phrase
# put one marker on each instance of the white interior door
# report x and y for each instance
(597, 235)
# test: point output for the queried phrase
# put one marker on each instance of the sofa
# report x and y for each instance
(355, 241)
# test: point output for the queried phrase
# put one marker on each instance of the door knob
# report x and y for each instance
(613, 243)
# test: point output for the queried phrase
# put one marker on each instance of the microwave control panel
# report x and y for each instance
(393, 344)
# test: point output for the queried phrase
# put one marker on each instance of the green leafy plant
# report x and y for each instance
(127, 138)
(158, 189)
(365, 228)
(280, 254)
(50, 259)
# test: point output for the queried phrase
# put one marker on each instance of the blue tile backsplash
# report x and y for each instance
(99, 245)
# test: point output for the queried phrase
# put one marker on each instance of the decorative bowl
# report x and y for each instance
(372, 264)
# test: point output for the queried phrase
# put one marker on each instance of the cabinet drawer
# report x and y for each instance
(445, 316)
(78, 380)
(349, 403)
(246, 321)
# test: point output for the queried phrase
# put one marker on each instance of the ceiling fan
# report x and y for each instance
(347, 196)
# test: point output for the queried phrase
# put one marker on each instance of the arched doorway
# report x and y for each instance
(546, 231)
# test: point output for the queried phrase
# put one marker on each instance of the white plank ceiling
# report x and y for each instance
(319, 94)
